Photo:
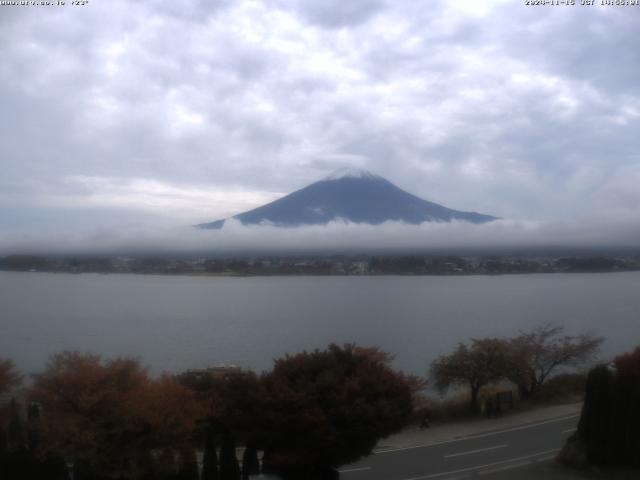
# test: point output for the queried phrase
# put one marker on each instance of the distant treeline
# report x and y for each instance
(323, 265)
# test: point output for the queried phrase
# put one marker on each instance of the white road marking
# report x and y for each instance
(478, 467)
(569, 430)
(358, 469)
(545, 459)
(506, 467)
(479, 435)
(470, 452)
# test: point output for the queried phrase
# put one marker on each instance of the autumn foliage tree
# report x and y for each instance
(527, 360)
(313, 411)
(9, 380)
(536, 354)
(475, 365)
(107, 416)
(329, 407)
(628, 366)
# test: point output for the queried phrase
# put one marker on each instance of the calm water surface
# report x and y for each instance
(175, 323)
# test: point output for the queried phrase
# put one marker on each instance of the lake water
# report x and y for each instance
(176, 322)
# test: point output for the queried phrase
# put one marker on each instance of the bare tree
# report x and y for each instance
(479, 364)
(535, 354)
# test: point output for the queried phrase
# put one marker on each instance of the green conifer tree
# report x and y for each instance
(229, 468)
(210, 458)
(188, 465)
(250, 462)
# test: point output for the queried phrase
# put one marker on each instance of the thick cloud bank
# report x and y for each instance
(337, 236)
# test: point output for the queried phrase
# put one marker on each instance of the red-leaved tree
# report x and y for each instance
(325, 408)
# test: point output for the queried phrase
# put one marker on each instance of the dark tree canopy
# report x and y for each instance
(608, 431)
(628, 365)
(232, 402)
(329, 407)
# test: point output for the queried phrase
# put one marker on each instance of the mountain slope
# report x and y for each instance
(356, 196)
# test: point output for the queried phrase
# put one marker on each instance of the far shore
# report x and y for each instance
(325, 265)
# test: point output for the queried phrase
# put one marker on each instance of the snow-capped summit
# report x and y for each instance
(351, 195)
(350, 172)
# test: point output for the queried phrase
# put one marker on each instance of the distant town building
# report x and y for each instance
(218, 371)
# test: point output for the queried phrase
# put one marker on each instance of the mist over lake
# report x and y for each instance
(174, 323)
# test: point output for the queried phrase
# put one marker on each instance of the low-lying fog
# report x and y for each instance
(235, 237)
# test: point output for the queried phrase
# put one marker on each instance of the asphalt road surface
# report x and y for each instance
(516, 452)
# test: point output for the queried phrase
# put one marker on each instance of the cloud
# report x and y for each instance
(336, 236)
(464, 104)
(336, 13)
(180, 203)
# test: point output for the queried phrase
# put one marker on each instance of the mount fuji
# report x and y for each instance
(351, 195)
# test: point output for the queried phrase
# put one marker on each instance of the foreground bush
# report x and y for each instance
(327, 408)
(107, 417)
(609, 428)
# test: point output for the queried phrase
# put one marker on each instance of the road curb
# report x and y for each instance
(414, 438)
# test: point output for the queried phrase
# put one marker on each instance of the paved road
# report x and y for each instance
(492, 455)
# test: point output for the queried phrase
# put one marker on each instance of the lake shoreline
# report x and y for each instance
(323, 275)
(322, 266)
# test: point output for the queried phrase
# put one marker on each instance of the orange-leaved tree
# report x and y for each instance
(108, 416)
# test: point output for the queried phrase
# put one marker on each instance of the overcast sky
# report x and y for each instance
(121, 114)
